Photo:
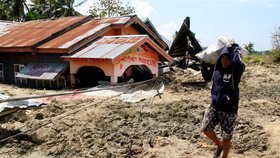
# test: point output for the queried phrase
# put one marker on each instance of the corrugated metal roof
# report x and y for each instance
(42, 71)
(3, 26)
(28, 33)
(58, 36)
(108, 47)
(7, 106)
(83, 31)
(185, 42)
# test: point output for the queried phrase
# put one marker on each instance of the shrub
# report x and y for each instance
(256, 58)
(275, 55)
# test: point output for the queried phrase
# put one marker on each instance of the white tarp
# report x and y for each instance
(139, 95)
(16, 104)
(211, 54)
(128, 95)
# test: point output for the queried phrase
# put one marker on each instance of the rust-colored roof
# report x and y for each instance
(29, 33)
(4, 25)
(65, 35)
(110, 47)
(91, 28)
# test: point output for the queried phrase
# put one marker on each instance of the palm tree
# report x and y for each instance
(5, 9)
(54, 8)
(13, 9)
(67, 8)
(19, 9)
(38, 10)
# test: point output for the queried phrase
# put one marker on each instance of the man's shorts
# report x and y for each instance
(212, 117)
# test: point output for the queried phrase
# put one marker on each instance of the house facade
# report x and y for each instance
(79, 51)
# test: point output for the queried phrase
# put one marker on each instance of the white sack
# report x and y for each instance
(211, 54)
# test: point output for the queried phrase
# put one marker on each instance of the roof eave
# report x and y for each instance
(15, 49)
(52, 50)
(88, 39)
(158, 49)
(160, 42)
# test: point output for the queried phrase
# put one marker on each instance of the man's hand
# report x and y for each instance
(234, 52)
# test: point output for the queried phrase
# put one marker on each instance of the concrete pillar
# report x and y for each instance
(114, 79)
(72, 80)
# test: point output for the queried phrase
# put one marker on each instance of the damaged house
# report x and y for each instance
(79, 51)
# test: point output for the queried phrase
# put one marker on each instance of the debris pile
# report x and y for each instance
(155, 127)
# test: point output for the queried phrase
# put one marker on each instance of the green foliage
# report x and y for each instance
(5, 9)
(52, 8)
(257, 58)
(275, 55)
(250, 47)
(252, 59)
(34, 16)
(110, 8)
(17, 10)
(13, 10)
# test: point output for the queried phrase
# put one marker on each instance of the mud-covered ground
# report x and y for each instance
(165, 126)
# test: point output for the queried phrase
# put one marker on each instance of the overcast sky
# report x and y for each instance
(242, 20)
